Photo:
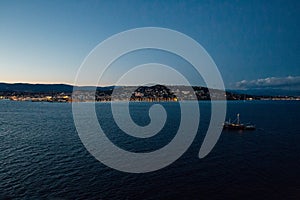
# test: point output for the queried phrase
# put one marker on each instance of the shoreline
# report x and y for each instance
(125, 101)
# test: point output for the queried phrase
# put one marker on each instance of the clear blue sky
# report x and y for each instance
(46, 41)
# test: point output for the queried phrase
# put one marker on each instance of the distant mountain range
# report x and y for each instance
(56, 88)
(44, 88)
(34, 88)
(268, 92)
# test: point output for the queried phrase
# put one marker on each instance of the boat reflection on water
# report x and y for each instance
(237, 125)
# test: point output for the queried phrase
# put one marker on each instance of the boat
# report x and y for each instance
(237, 125)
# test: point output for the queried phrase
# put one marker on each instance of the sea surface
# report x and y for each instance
(42, 156)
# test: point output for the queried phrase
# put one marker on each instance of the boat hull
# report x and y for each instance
(232, 126)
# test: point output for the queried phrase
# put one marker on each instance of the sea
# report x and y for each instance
(42, 156)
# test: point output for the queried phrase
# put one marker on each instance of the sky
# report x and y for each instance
(253, 43)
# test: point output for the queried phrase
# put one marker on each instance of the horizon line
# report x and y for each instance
(71, 85)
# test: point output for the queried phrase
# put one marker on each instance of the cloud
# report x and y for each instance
(290, 82)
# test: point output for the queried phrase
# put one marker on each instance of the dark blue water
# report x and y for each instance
(42, 157)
